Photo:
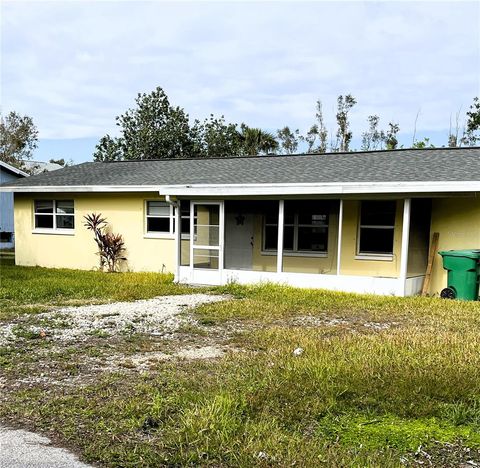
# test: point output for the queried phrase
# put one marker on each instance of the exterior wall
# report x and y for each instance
(457, 220)
(125, 214)
(6, 208)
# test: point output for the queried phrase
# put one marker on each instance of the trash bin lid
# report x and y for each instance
(469, 253)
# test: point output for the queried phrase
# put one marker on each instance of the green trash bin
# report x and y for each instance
(463, 268)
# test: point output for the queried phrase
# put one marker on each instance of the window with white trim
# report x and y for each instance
(54, 214)
(377, 227)
(305, 228)
(159, 217)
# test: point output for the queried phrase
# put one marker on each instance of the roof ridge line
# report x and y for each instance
(273, 156)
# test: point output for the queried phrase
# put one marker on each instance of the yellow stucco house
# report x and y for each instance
(359, 221)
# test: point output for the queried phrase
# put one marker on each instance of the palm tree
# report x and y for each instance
(257, 141)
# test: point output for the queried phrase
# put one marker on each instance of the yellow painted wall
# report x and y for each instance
(457, 220)
(125, 214)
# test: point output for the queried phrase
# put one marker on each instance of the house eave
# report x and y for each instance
(335, 188)
(349, 188)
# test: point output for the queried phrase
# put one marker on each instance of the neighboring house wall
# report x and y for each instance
(125, 215)
(6, 208)
(457, 220)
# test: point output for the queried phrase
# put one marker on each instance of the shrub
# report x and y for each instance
(110, 246)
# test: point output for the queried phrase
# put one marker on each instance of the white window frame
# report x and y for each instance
(296, 252)
(54, 214)
(375, 255)
(170, 234)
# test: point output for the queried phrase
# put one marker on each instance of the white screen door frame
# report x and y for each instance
(209, 275)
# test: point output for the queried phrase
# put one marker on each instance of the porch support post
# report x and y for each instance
(340, 228)
(405, 242)
(281, 220)
(178, 239)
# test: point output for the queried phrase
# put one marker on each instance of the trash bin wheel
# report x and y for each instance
(448, 293)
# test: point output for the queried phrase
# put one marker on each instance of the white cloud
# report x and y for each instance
(73, 66)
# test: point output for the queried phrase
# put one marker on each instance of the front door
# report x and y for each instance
(206, 243)
(238, 240)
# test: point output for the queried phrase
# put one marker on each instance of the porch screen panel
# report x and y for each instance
(185, 233)
(206, 236)
(206, 258)
(305, 228)
(207, 225)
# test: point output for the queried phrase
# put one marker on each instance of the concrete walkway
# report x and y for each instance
(23, 449)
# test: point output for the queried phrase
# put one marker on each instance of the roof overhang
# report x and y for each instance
(13, 169)
(350, 188)
(334, 188)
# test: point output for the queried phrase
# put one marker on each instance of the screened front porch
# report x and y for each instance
(348, 245)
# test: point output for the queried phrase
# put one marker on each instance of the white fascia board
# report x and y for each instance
(335, 188)
(351, 188)
(79, 188)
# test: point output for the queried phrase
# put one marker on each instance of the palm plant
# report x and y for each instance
(257, 141)
(110, 246)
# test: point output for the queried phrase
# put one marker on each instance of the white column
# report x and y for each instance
(281, 218)
(178, 239)
(404, 251)
(340, 228)
(221, 253)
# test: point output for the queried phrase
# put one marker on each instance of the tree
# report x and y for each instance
(471, 134)
(344, 135)
(257, 141)
(215, 137)
(373, 138)
(288, 139)
(18, 138)
(108, 149)
(153, 130)
(453, 140)
(391, 140)
(62, 162)
(317, 136)
(421, 144)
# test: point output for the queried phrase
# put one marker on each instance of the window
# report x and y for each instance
(377, 227)
(159, 217)
(54, 214)
(305, 228)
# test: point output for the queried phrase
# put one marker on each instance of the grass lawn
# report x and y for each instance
(376, 382)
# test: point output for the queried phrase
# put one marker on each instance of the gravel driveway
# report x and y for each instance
(23, 449)
(160, 316)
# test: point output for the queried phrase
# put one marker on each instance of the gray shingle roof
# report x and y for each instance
(442, 165)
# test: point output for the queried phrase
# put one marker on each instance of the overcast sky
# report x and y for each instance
(74, 65)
